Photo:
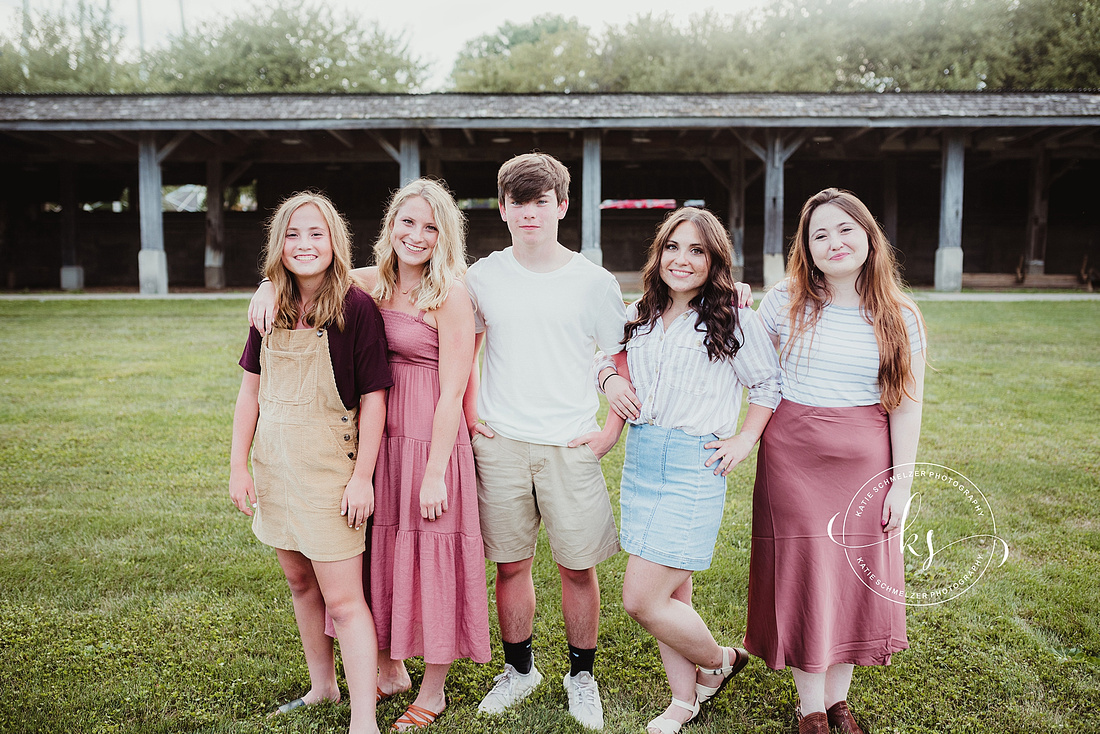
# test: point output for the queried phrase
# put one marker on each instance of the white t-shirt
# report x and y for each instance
(541, 332)
(836, 363)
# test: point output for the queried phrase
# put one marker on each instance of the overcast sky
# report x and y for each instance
(436, 29)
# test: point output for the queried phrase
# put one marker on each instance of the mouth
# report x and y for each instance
(305, 258)
(680, 273)
(413, 248)
(839, 256)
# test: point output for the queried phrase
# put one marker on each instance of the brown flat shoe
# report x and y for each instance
(815, 723)
(841, 718)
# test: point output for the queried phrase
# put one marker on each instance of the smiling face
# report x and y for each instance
(307, 245)
(533, 222)
(684, 263)
(838, 245)
(414, 233)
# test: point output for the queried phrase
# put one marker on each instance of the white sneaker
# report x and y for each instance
(584, 699)
(509, 688)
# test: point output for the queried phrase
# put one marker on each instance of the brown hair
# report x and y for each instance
(328, 305)
(527, 177)
(714, 302)
(879, 285)
(448, 261)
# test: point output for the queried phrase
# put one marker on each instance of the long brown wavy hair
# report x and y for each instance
(714, 303)
(879, 285)
(328, 305)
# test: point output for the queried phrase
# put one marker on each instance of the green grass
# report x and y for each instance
(133, 598)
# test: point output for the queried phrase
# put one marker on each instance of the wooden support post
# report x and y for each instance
(949, 256)
(1038, 211)
(737, 211)
(152, 262)
(409, 156)
(890, 201)
(72, 274)
(214, 259)
(774, 153)
(590, 198)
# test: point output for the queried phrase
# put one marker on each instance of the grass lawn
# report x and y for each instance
(134, 598)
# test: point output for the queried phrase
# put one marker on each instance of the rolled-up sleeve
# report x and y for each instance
(757, 364)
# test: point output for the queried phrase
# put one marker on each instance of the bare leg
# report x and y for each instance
(515, 600)
(432, 696)
(309, 613)
(580, 606)
(342, 586)
(392, 676)
(811, 691)
(837, 680)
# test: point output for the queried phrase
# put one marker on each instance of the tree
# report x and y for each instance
(286, 48)
(549, 54)
(59, 53)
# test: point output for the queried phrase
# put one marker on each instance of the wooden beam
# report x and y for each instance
(152, 262)
(214, 256)
(949, 255)
(591, 196)
(171, 145)
(737, 211)
(385, 145)
(409, 156)
(716, 172)
(469, 136)
(1038, 210)
(343, 137)
(890, 200)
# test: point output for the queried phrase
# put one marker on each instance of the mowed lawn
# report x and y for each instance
(134, 598)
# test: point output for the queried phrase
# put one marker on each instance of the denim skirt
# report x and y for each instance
(671, 505)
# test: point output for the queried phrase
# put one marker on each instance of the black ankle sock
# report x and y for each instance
(580, 659)
(518, 655)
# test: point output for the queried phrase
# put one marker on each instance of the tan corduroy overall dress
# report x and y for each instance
(304, 450)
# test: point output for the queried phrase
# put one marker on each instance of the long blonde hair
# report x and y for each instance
(328, 304)
(448, 260)
(881, 298)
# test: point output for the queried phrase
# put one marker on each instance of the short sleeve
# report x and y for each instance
(250, 358)
(372, 371)
(610, 319)
(770, 305)
(472, 286)
(914, 323)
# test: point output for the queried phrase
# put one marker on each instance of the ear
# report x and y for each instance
(503, 213)
(563, 207)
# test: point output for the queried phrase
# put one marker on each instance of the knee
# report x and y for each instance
(584, 578)
(636, 603)
(301, 581)
(345, 609)
(511, 573)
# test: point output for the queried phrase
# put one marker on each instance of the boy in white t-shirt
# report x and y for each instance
(542, 311)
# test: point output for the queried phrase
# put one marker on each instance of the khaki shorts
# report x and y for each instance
(520, 483)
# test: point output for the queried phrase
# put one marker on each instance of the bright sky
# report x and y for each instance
(436, 29)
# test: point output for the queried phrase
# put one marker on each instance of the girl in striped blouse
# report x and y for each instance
(689, 352)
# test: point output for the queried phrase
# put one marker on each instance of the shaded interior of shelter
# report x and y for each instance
(359, 177)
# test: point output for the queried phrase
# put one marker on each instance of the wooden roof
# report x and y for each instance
(544, 111)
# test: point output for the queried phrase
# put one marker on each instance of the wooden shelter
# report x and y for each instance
(947, 173)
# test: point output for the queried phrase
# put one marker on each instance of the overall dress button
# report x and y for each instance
(320, 332)
(351, 454)
(344, 419)
(347, 436)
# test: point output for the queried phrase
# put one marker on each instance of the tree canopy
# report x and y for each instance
(802, 45)
(785, 45)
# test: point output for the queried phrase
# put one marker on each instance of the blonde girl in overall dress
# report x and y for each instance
(690, 353)
(312, 406)
(427, 577)
(852, 347)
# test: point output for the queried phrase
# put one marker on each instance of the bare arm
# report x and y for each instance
(469, 399)
(245, 415)
(733, 450)
(455, 324)
(904, 435)
(358, 500)
(604, 440)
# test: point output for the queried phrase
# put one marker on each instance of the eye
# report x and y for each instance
(432, 227)
(697, 251)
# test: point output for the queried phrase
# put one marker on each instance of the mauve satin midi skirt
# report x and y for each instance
(811, 602)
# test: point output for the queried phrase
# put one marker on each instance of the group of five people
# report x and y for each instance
(371, 413)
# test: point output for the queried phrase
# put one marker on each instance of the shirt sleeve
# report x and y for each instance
(756, 363)
(250, 358)
(610, 319)
(915, 325)
(769, 309)
(372, 371)
(472, 288)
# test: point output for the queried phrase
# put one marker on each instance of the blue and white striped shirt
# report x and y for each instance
(835, 364)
